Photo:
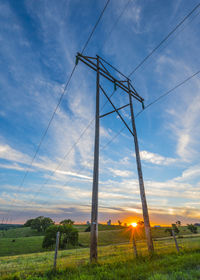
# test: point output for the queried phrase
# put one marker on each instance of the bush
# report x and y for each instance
(87, 229)
(192, 228)
(68, 236)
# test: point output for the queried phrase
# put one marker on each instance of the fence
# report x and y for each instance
(80, 256)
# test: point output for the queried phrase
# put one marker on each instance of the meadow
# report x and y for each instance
(116, 258)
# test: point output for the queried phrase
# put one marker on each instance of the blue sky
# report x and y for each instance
(38, 44)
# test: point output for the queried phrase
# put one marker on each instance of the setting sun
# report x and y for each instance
(134, 224)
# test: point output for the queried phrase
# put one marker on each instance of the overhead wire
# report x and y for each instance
(53, 172)
(95, 26)
(119, 132)
(152, 103)
(165, 39)
(136, 68)
(116, 21)
(84, 47)
(60, 100)
(176, 34)
(148, 56)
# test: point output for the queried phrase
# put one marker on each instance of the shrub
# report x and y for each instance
(192, 228)
(68, 236)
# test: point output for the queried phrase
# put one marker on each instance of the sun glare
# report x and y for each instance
(134, 224)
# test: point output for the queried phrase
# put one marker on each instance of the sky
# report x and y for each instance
(38, 44)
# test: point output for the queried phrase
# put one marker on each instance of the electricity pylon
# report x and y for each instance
(101, 67)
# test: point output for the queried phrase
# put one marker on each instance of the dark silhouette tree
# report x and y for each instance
(119, 222)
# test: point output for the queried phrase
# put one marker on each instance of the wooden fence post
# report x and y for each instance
(176, 243)
(134, 244)
(56, 249)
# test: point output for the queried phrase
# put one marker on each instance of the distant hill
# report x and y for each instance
(9, 226)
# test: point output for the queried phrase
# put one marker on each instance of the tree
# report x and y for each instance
(175, 228)
(192, 228)
(36, 224)
(46, 222)
(28, 223)
(178, 223)
(67, 222)
(119, 222)
(68, 236)
(140, 223)
(41, 223)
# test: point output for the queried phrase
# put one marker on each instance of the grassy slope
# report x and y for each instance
(19, 232)
(30, 243)
(22, 245)
(115, 262)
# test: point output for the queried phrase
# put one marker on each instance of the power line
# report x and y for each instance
(176, 35)
(168, 35)
(117, 20)
(110, 32)
(152, 103)
(169, 91)
(113, 91)
(53, 172)
(60, 99)
(125, 7)
(116, 135)
(95, 26)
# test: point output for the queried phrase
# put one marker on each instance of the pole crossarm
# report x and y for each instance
(103, 71)
(116, 110)
(106, 114)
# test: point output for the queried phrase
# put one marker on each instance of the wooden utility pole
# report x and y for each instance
(141, 181)
(94, 213)
(105, 69)
(56, 249)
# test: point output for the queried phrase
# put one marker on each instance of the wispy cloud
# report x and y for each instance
(11, 154)
(156, 158)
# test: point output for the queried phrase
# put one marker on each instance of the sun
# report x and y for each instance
(134, 224)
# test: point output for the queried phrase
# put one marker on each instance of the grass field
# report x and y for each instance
(116, 258)
(25, 240)
(19, 232)
(115, 262)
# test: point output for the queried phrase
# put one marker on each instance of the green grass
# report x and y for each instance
(101, 227)
(19, 232)
(31, 244)
(25, 245)
(115, 262)
(115, 252)
(160, 232)
(22, 245)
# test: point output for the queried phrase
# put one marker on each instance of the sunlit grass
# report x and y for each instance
(43, 262)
